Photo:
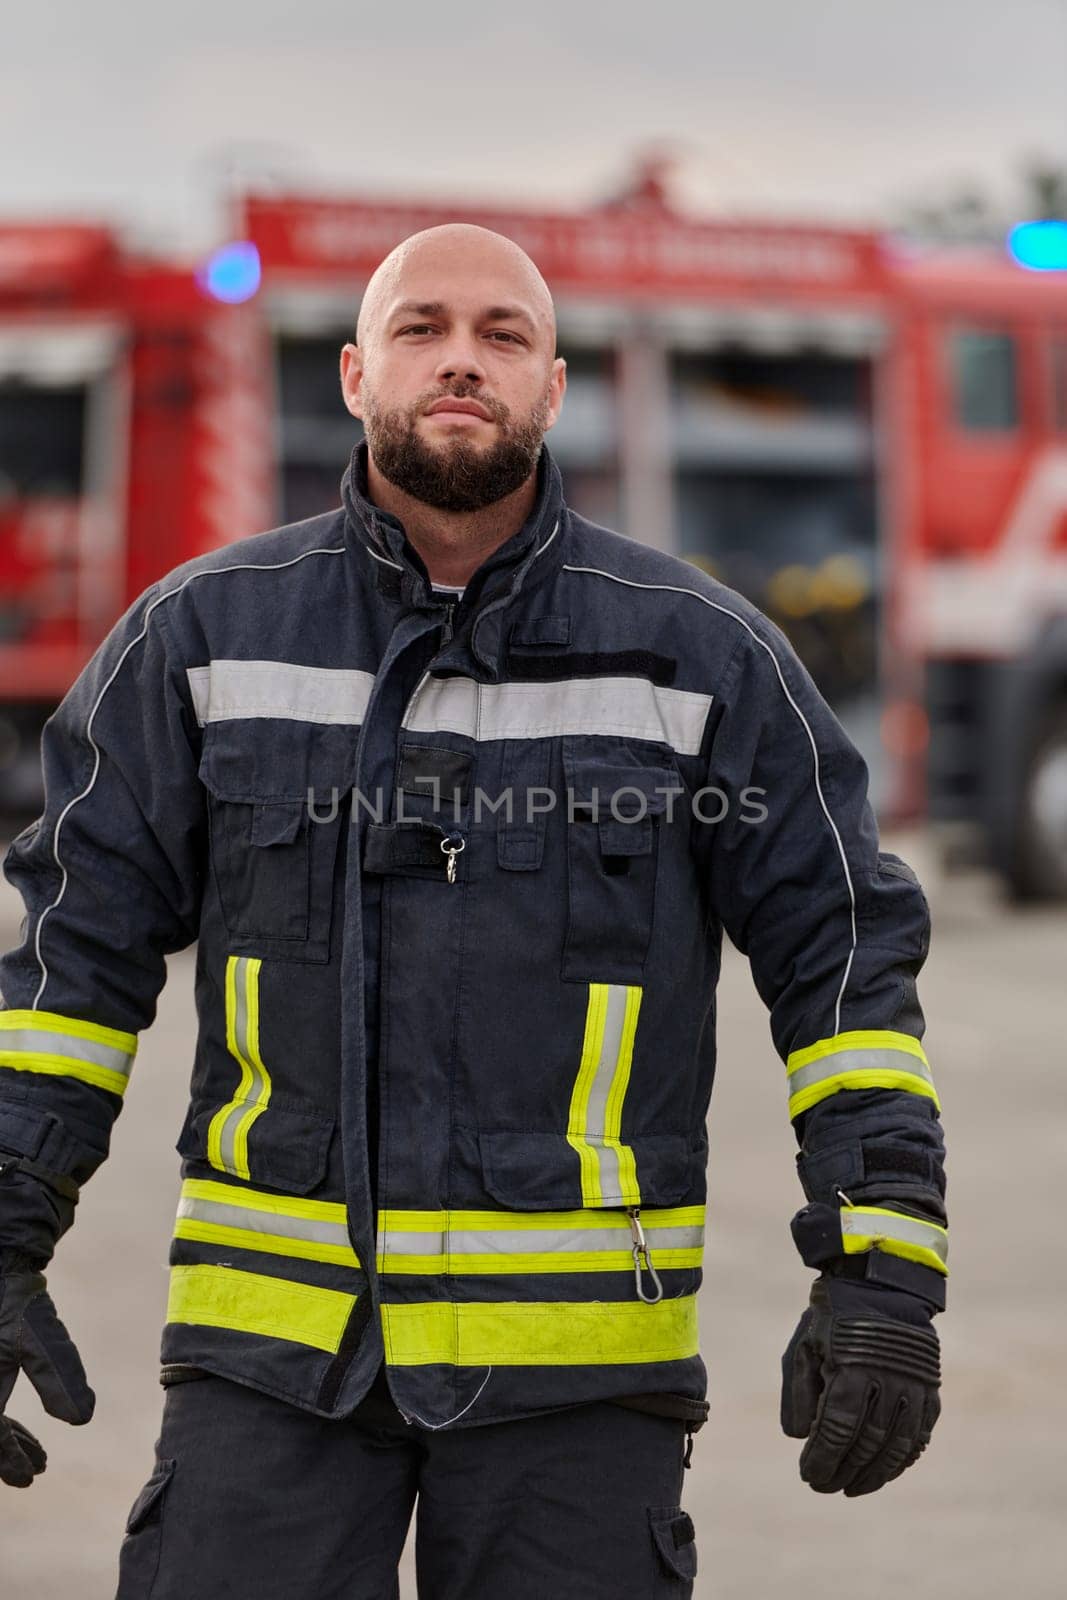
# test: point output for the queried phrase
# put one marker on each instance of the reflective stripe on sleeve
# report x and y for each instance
(426, 1243)
(227, 1140)
(874, 1228)
(858, 1060)
(250, 1302)
(222, 1214)
(58, 1046)
(608, 1170)
(542, 1334)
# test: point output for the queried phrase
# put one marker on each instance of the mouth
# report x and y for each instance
(454, 410)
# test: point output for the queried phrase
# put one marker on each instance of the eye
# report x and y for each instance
(501, 333)
(418, 327)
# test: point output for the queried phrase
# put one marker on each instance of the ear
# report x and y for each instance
(557, 388)
(352, 379)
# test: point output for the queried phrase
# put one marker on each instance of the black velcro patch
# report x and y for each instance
(612, 663)
(435, 771)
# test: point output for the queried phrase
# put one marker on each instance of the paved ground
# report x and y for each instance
(981, 1517)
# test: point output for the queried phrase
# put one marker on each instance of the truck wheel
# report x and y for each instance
(1039, 867)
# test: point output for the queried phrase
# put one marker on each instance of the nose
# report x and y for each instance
(460, 357)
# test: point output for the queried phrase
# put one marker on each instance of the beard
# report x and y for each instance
(455, 475)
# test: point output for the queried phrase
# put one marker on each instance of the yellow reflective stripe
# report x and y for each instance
(607, 1168)
(424, 1243)
(74, 1027)
(247, 1219)
(592, 1043)
(448, 1221)
(872, 1059)
(263, 1083)
(628, 1187)
(544, 1334)
(621, 1260)
(64, 1067)
(855, 1244)
(258, 1200)
(267, 1243)
(57, 1046)
(219, 1120)
(873, 1078)
(249, 1302)
(227, 1142)
(859, 1039)
(866, 1228)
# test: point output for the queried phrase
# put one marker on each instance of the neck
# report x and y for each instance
(453, 544)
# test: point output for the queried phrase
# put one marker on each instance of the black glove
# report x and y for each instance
(33, 1340)
(860, 1383)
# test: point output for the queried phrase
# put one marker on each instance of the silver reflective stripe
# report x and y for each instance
(225, 690)
(532, 1241)
(611, 1179)
(846, 1061)
(253, 1093)
(252, 1219)
(44, 1041)
(628, 708)
(864, 1223)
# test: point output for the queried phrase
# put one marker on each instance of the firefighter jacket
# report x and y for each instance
(500, 838)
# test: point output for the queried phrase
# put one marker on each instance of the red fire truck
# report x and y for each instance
(133, 434)
(871, 444)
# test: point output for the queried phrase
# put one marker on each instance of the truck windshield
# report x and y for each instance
(42, 431)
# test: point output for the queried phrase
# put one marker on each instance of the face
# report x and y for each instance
(455, 378)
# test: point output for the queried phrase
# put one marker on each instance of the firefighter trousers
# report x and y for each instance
(253, 1499)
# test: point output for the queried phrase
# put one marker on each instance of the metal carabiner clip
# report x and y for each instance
(452, 847)
(640, 1248)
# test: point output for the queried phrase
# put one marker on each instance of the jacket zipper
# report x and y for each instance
(453, 842)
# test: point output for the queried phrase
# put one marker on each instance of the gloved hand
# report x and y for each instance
(33, 1340)
(860, 1382)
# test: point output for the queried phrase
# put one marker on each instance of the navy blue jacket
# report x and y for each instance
(460, 869)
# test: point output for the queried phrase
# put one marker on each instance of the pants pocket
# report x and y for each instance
(141, 1548)
(674, 1538)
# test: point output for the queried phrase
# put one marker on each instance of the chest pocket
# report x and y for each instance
(617, 803)
(278, 797)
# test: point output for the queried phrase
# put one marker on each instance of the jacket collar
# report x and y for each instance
(521, 562)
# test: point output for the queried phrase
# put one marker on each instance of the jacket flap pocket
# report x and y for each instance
(543, 1171)
(629, 836)
(619, 791)
(276, 821)
(622, 800)
(288, 1143)
(23, 1128)
(675, 1539)
(250, 762)
(541, 630)
(148, 1505)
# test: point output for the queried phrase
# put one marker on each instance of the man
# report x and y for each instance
(457, 791)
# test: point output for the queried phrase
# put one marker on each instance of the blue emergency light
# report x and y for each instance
(1039, 246)
(232, 273)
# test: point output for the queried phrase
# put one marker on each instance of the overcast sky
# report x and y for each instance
(846, 109)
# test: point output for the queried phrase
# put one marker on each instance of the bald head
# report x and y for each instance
(460, 255)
